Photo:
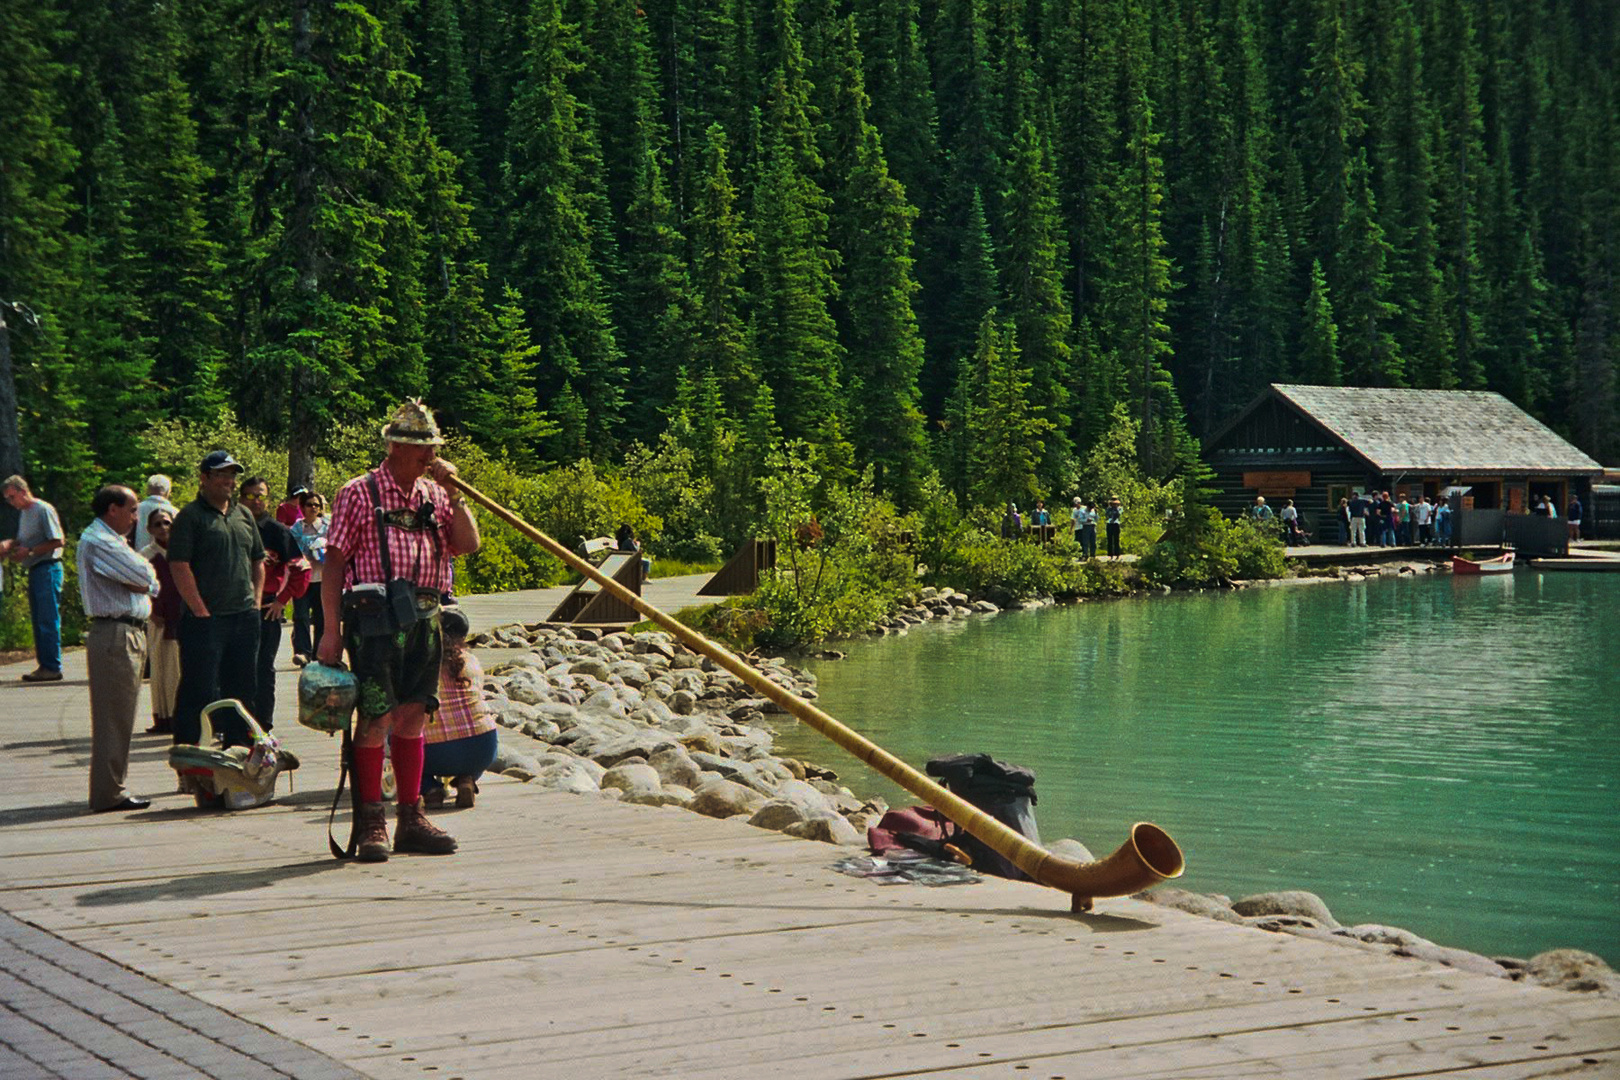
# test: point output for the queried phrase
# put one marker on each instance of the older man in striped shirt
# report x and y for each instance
(117, 586)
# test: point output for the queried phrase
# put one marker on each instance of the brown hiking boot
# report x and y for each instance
(373, 833)
(414, 833)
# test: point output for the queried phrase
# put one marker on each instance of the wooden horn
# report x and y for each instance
(1147, 857)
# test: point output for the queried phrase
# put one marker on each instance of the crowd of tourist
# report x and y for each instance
(1083, 519)
(199, 597)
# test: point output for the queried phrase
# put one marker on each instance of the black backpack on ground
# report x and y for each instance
(1005, 792)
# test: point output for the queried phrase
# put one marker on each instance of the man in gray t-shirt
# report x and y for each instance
(38, 546)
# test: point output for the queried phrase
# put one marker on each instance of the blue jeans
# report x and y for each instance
(45, 606)
(457, 757)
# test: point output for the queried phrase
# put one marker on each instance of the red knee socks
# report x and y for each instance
(407, 755)
(368, 766)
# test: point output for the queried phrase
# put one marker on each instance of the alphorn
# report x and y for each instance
(1146, 858)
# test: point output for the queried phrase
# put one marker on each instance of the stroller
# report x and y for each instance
(236, 778)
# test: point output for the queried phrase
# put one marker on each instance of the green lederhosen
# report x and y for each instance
(398, 668)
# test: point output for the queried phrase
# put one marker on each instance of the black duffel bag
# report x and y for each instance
(1005, 792)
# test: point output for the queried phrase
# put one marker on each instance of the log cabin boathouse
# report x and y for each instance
(1317, 444)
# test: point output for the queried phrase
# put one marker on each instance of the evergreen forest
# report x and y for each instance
(956, 238)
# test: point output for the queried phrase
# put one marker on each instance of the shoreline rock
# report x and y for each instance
(641, 719)
(1304, 914)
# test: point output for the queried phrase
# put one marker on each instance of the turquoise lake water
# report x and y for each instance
(1436, 753)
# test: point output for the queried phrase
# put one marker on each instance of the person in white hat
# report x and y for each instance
(384, 579)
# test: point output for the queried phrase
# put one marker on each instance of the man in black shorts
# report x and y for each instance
(384, 577)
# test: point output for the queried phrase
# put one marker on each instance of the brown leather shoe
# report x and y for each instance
(42, 675)
(466, 789)
(373, 833)
(414, 833)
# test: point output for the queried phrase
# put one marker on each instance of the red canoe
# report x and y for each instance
(1502, 564)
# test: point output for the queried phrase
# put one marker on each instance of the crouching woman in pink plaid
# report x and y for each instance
(394, 531)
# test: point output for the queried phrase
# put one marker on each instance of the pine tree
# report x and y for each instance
(508, 419)
(551, 245)
(1460, 166)
(720, 243)
(975, 288)
(794, 333)
(658, 309)
(177, 268)
(1332, 126)
(1007, 430)
(870, 227)
(1595, 388)
(1135, 295)
(115, 358)
(1036, 305)
(1319, 343)
(42, 433)
(447, 98)
(340, 248)
(1367, 347)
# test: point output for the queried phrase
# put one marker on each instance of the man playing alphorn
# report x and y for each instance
(394, 531)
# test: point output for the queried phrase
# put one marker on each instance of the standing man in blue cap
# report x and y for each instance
(217, 559)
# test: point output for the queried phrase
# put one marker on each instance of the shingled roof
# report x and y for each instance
(1448, 431)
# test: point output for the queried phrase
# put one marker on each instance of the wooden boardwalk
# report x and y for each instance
(579, 938)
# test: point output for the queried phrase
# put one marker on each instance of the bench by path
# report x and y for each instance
(669, 594)
(579, 938)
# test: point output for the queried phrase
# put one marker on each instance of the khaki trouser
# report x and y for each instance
(165, 654)
(115, 652)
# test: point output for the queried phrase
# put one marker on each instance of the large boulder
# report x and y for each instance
(722, 798)
(528, 686)
(570, 776)
(1288, 902)
(560, 713)
(1572, 969)
(592, 666)
(747, 773)
(632, 777)
(1193, 903)
(794, 802)
(1461, 959)
(674, 765)
(509, 755)
(656, 798)
(1378, 934)
(833, 830)
(604, 702)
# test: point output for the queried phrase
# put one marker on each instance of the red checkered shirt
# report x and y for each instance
(413, 552)
(461, 712)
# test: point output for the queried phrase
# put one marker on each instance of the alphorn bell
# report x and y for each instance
(1146, 858)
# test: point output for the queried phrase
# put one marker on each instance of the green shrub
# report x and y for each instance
(1201, 547)
(666, 481)
(841, 564)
